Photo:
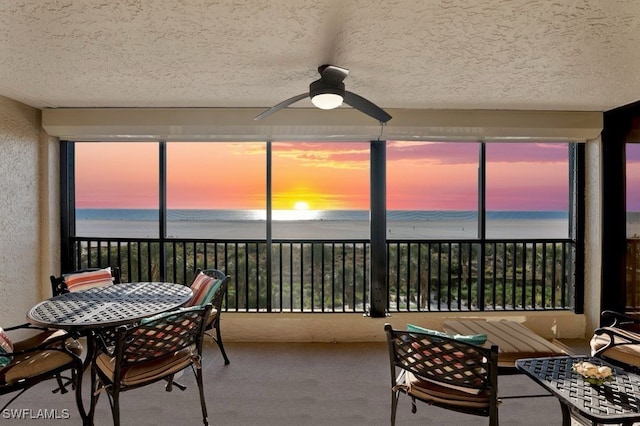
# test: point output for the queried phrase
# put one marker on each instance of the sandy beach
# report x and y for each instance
(242, 230)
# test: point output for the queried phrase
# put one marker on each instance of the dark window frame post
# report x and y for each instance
(577, 206)
(162, 208)
(482, 221)
(617, 126)
(378, 223)
(67, 205)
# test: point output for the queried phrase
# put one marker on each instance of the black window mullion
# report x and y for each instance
(482, 221)
(162, 200)
(67, 206)
(576, 222)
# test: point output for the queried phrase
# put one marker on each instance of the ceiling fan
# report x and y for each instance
(328, 93)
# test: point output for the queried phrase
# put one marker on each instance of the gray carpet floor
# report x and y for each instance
(286, 384)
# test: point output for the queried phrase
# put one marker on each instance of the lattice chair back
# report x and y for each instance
(158, 336)
(153, 350)
(444, 372)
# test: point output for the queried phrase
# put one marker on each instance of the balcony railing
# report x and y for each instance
(333, 276)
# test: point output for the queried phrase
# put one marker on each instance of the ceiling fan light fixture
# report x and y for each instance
(327, 100)
(328, 92)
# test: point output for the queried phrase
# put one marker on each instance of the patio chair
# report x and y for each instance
(444, 372)
(210, 286)
(618, 342)
(154, 350)
(45, 355)
(84, 278)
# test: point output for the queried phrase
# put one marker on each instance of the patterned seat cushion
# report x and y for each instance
(73, 345)
(432, 391)
(33, 364)
(147, 371)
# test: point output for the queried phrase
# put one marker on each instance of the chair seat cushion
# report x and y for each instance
(147, 372)
(211, 317)
(73, 345)
(33, 364)
(431, 391)
(627, 354)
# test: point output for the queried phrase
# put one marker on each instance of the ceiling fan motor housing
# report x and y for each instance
(320, 87)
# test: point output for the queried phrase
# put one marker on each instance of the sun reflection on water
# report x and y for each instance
(284, 215)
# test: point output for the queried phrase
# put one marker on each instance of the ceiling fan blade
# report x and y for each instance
(281, 105)
(366, 106)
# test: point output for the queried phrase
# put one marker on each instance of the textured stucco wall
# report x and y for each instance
(20, 277)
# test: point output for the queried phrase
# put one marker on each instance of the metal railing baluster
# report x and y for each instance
(422, 275)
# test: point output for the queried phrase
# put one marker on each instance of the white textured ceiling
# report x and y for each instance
(578, 55)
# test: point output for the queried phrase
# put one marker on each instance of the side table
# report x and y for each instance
(615, 402)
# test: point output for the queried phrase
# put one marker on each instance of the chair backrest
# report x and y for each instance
(619, 342)
(616, 319)
(159, 336)
(444, 361)
(59, 286)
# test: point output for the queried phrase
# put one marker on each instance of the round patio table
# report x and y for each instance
(100, 309)
(108, 306)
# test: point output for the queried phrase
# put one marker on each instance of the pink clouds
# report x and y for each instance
(420, 175)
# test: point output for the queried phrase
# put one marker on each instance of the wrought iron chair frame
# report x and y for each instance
(153, 340)
(622, 331)
(55, 344)
(58, 286)
(437, 359)
(217, 302)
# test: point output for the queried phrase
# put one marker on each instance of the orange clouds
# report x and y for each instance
(327, 176)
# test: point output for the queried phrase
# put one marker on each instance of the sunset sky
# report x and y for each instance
(633, 177)
(420, 176)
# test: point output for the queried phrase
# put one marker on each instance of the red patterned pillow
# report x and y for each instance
(201, 288)
(6, 347)
(86, 280)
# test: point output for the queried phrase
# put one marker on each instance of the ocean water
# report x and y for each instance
(177, 215)
(318, 224)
